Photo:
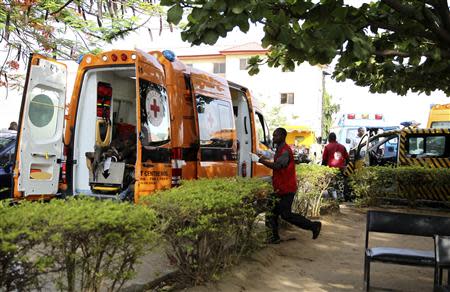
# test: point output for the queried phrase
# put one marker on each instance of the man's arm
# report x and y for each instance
(281, 162)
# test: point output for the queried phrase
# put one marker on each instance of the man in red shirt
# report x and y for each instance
(284, 183)
(334, 154)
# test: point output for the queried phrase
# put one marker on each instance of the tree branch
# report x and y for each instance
(61, 8)
(399, 30)
(442, 8)
(391, 53)
(395, 53)
(438, 30)
(402, 9)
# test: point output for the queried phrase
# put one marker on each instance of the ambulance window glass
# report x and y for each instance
(215, 118)
(262, 133)
(155, 113)
(435, 146)
(388, 150)
(415, 145)
(440, 124)
(351, 134)
(43, 113)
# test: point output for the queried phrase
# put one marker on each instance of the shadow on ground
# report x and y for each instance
(333, 262)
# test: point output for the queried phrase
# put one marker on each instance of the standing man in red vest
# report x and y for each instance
(284, 183)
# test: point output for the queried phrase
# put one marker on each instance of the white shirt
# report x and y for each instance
(355, 142)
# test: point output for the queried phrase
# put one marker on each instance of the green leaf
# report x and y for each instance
(239, 7)
(175, 14)
(243, 23)
(210, 37)
(167, 2)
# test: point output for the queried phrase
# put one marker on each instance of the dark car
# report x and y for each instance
(7, 151)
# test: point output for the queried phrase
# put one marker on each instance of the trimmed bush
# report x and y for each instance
(370, 184)
(79, 244)
(209, 223)
(96, 244)
(21, 234)
(313, 181)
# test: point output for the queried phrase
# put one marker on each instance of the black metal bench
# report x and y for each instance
(442, 252)
(407, 224)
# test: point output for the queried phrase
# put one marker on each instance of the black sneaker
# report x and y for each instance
(273, 240)
(316, 230)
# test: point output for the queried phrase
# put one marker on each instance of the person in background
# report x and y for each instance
(357, 139)
(13, 126)
(334, 153)
(284, 183)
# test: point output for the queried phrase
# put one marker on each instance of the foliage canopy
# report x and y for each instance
(65, 28)
(387, 45)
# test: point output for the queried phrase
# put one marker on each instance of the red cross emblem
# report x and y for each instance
(155, 108)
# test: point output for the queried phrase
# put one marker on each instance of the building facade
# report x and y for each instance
(298, 94)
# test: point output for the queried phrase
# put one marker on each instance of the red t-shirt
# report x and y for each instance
(335, 155)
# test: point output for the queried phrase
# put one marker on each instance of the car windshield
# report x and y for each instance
(5, 140)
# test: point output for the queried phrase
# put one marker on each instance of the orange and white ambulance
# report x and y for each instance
(172, 121)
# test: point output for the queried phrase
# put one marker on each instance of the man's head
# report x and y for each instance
(361, 131)
(279, 135)
(13, 126)
(332, 137)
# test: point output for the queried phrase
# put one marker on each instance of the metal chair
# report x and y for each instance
(442, 251)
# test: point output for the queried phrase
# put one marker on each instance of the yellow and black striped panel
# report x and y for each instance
(439, 162)
(350, 169)
(434, 193)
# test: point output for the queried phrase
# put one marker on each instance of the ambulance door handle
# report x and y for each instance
(245, 125)
(45, 155)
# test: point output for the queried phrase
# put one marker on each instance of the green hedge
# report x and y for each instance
(313, 181)
(207, 224)
(78, 244)
(412, 183)
(82, 244)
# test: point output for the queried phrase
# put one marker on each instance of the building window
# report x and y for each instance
(219, 68)
(287, 98)
(243, 63)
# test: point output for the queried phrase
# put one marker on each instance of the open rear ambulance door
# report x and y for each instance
(153, 160)
(40, 137)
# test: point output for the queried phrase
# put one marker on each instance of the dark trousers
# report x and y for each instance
(280, 205)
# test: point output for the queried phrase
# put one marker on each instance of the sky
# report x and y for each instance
(350, 97)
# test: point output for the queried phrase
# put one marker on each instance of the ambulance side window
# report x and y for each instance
(262, 131)
(216, 122)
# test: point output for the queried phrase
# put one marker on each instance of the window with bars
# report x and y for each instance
(287, 98)
(219, 68)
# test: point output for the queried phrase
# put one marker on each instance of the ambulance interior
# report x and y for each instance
(105, 132)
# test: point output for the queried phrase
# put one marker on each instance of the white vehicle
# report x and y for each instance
(346, 128)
